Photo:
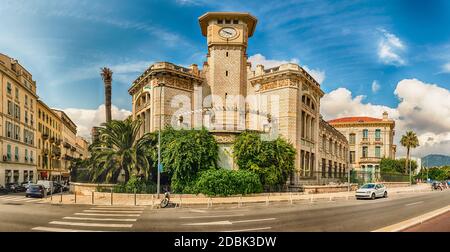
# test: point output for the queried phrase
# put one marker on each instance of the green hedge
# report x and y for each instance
(223, 182)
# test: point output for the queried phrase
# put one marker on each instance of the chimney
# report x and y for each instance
(194, 69)
(259, 70)
(385, 116)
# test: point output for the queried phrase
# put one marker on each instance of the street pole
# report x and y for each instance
(159, 142)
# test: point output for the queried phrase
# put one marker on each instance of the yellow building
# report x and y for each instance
(82, 146)
(18, 126)
(69, 141)
(48, 143)
(370, 139)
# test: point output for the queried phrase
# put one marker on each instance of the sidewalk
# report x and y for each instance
(122, 199)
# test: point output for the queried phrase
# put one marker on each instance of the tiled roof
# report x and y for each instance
(355, 119)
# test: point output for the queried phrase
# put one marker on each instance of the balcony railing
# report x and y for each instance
(369, 159)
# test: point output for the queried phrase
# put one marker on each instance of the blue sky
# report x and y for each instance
(366, 47)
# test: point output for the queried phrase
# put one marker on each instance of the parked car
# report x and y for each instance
(35, 191)
(26, 184)
(3, 190)
(371, 191)
(15, 187)
(48, 185)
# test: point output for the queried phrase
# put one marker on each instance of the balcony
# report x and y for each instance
(365, 140)
(364, 160)
(45, 136)
(67, 145)
(73, 148)
(56, 151)
(52, 139)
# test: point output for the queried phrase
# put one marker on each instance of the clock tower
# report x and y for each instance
(227, 37)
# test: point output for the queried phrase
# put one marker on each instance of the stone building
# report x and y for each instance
(48, 143)
(17, 122)
(370, 139)
(228, 96)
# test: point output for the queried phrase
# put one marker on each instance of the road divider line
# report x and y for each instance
(49, 229)
(98, 219)
(247, 230)
(257, 220)
(112, 211)
(211, 216)
(413, 221)
(415, 203)
(118, 209)
(103, 214)
(91, 224)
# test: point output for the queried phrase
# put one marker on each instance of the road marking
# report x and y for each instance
(250, 229)
(98, 219)
(198, 211)
(413, 221)
(91, 224)
(210, 216)
(118, 209)
(227, 222)
(100, 214)
(243, 221)
(49, 229)
(415, 203)
(111, 211)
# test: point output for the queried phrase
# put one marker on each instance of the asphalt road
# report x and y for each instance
(342, 215)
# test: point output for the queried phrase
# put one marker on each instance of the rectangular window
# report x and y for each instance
(220, 21)
(17, 111)
(377, 151)
(8, 152)
(226, 73)
(365, 134)
(8, 88)
(26, 117)
(26, 155)
(26, 99)
(352, 138)
(378, 134)
(17, 93)
(16, 132)
(10, 108)
(365, 151)
(31, 156)
(235, 21)
(352, 157)
(16, 153)
(31, 120)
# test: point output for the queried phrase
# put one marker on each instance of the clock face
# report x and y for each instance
(227, 32)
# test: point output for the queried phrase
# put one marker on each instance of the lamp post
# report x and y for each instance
(160, 85)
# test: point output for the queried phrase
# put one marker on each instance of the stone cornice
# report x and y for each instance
(389, 123)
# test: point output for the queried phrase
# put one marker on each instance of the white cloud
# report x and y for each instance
(423, 108)
(390, 48)
(259, 59)
(375, 86)
(446, 68)
(85, 119)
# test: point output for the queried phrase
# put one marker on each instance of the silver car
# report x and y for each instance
(371, 191)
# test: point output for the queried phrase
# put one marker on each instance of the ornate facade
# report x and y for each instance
(370, 139)
(228, 96)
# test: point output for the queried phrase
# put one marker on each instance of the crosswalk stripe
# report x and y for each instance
(34, 200)
(110, 211)
(9, 198)
(91, 224)
(118, 209)
(101, 214)
(49, 229)
(98, 219)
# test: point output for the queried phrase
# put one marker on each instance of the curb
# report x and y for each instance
(414, 221)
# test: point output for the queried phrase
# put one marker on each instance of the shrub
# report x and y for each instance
(223, 182)
(135, 183)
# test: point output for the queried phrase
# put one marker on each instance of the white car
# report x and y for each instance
(371, 191)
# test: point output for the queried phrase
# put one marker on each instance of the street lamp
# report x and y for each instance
(161, 85)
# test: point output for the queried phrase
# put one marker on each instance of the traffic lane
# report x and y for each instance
(19, 217)
(343, 215)
(440, 223)
(368, 216)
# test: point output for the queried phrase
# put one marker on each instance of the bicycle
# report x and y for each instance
(165, 201)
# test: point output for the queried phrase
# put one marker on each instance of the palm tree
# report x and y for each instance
(119, 149)
(409, 140)
(106, 74)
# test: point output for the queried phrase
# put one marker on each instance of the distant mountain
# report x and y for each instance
(435, 160)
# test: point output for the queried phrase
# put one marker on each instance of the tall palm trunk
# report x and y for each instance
(108, 100)
(407, 160)
(106, 74)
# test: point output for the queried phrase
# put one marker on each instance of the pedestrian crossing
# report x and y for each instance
(21, 198)
(96, 219)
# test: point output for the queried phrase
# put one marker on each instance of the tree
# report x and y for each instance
(273, 160)
(185, 153)
(106, 74)
(409, 140)
(119, 149)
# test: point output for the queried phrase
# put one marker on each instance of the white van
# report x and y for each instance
(48, 185)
